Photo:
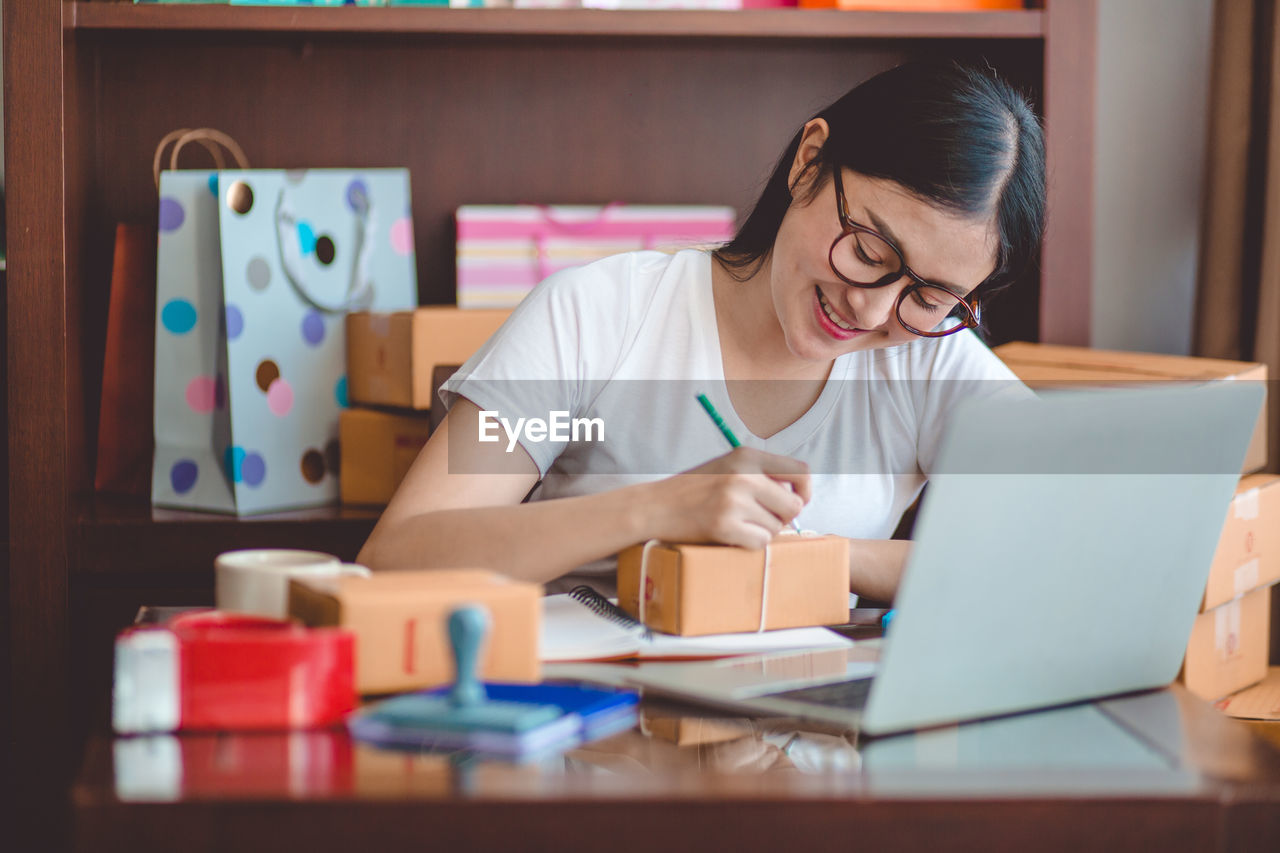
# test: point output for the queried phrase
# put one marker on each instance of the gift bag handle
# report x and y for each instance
(213, 141)
(578, 227)
(359, 290)
(204, 135)
(169, 137)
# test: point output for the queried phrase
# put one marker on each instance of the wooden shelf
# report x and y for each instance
(482, 105)
(126, 536)
(747, 23)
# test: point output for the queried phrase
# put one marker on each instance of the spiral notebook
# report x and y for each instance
(583, 625)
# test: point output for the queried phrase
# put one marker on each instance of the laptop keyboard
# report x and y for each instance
(843, 694)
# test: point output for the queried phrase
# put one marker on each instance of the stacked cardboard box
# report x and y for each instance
(400, 623)
(1230, 639)
(392, 373)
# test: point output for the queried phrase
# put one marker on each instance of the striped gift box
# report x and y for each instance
(504, 250)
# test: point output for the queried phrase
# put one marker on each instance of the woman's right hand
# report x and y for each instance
(742, 498)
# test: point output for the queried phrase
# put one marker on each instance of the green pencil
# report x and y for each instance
(728, 434)
(719, 421)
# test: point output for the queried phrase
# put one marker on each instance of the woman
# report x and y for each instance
(834, 334)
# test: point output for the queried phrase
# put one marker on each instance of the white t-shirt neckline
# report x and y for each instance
(795, 434)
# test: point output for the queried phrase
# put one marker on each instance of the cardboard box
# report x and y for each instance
(390, 357)
(1054, 366)
(1228, 647)
(717, 589)
(399, 619)
(377, 450)
(1248, 555)
(439, 375)
(1259, 702)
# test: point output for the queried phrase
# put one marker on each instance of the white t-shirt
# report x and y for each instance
(629, 341)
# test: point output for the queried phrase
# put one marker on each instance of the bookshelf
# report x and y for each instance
(494, 106)
(747, 23)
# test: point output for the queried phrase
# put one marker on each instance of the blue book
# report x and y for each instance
(560, 734)
(581, 714)
(601, 712)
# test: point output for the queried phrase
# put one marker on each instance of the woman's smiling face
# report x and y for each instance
(823, 317)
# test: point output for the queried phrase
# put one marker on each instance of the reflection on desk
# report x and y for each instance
(1153, 771)
(1084, 748)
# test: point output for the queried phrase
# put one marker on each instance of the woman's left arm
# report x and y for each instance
(875, 566)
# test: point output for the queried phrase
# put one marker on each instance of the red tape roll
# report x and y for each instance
(233, 672)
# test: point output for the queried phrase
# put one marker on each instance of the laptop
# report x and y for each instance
(1060, 555)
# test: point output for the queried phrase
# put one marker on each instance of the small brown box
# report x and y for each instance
(1229, 646)
(377, 450)
(399, 619)
(390, 357)
(1054, 366)
(1248, 554)
(717, 589)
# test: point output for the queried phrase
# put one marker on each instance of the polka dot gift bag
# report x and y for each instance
(255, 271)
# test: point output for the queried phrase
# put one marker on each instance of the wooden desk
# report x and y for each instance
(1153, 771)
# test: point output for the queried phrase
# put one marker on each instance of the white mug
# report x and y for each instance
(257, 580)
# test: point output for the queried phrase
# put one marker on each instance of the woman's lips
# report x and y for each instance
(829, 327)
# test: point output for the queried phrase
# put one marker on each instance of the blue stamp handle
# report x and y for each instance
(467, 629)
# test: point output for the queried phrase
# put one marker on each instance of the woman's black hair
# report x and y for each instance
(955, 136)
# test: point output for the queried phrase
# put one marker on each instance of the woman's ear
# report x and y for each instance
(812, 138)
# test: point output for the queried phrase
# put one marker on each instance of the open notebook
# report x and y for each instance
(578, 630)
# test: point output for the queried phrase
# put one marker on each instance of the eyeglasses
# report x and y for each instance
(864, 258)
